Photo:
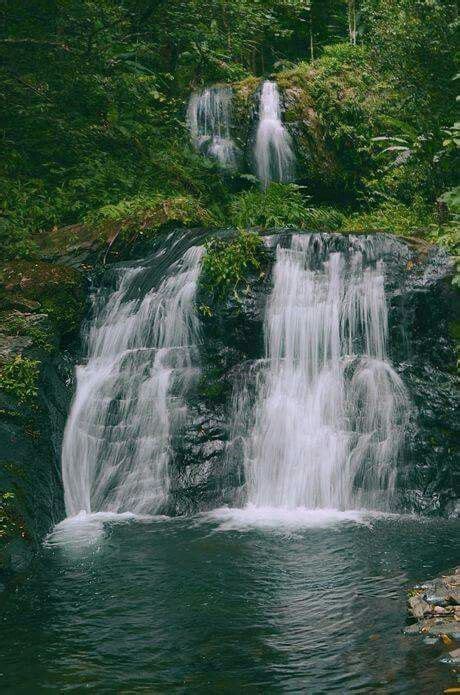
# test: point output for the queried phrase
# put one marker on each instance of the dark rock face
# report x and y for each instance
(41, 308)
(31, 498)
(421, 313)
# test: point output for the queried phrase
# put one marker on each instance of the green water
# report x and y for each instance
(197, 606)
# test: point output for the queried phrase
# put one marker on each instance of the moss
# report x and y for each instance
(58, 289)
(17, 324)
(334, 106)
(243, 93)
(19, 377)
(145, 215)
(228, 263)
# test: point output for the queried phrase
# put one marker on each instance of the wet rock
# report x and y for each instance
(455, 656)
(435, 606)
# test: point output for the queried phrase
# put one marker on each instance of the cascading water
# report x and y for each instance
(274, 156)
(329, 409)
(129, 398)
(209, 121)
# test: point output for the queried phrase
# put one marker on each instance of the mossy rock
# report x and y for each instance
(117, 227)
(58, 290)
(334, 106)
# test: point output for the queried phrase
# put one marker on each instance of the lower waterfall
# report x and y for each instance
(329, 411)
(141, 358)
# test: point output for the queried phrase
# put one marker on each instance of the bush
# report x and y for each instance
(392, 217)
(144, 214)
(281, 205)
(228, 264)
(19, 377)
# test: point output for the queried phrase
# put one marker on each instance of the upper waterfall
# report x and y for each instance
(141, 358)
(209, 121)
(274, 156)
(329, 410)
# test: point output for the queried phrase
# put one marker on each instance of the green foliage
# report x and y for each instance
(19, 325)
(57, 289)
(19, 377)
(93, 96)
(448, 235)
(280, 205)
(11, 523)
(145, 214)
(229, 263)
(413, 42)
(392, 217)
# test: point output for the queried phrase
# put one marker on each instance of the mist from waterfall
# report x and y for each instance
(329, 410)
(273, 153)
(141, 359)
(209, 122)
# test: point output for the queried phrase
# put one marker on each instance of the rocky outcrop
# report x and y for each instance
(435, 605)
(41, 308)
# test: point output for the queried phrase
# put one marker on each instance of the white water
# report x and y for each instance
(129, 398)
(209, 121)
(330, 410)
(273, 153)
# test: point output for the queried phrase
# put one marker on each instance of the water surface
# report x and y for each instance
(228, 603)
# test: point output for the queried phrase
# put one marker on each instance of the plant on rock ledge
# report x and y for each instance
(19, 377)
(228, 263)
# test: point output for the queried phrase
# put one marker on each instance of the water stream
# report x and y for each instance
(209, 116)
(141, 359)
(273, 153)
(330, 411)
(183, 606)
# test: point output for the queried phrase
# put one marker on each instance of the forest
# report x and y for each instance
(94, 97)
(229, 346)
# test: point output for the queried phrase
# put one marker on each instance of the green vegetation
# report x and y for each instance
(16, 324)
(11, 523)
(281, 205)
(94, 94)
(19, 377)
(142, 216)
(55, 289)
(228, 263)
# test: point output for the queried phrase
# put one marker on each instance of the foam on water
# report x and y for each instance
(251, 516)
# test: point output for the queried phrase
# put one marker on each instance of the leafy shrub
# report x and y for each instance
(19, 377)
(281, 205)
(228, 264)
(144, 214)
(392, 217)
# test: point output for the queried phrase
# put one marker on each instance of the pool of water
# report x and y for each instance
(229, 602)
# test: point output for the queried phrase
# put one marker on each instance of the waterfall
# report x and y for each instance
(141, 358)
(274, 157)
(329, 409)
(209, 121)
